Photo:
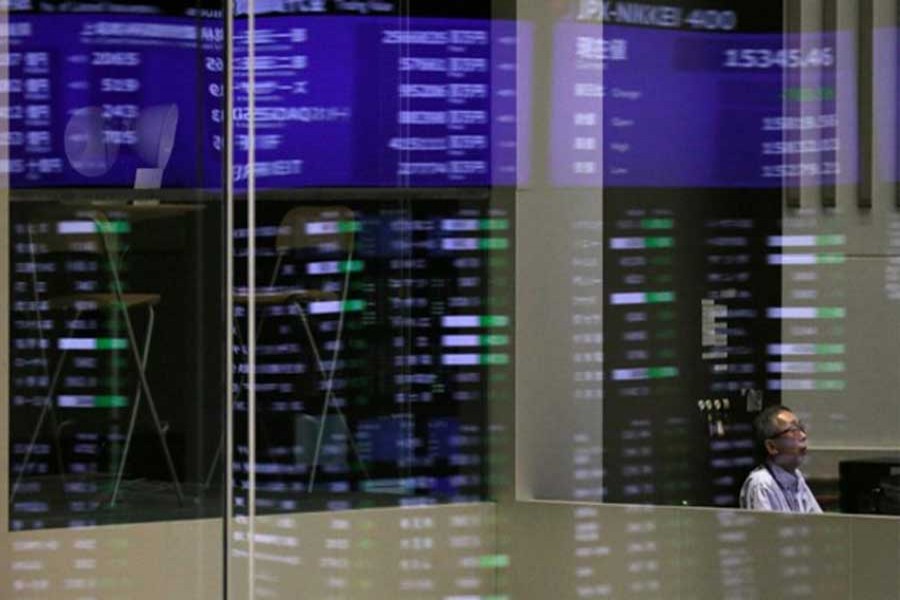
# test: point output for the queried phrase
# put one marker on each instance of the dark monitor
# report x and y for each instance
(870, 485)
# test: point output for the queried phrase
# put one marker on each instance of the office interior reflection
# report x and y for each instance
(115, 234)
(710, 171)
(407, 299)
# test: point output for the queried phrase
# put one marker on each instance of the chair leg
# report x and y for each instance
(142, 375)
(321, 431)
(148, 337)
(328, 378)
(207, 482)
(46, 409)
(146, 388)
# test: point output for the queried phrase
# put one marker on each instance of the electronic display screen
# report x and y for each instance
(643, 106)
(692, 129)
(94, 98)
(680, 355)
(377, 102)
(340, 101)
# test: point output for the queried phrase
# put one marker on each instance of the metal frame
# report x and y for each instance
(4, 316)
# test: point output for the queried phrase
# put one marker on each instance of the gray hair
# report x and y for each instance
(765, 426)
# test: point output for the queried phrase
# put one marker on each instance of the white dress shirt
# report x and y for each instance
(769, 487)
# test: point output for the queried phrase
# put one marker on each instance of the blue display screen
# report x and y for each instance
(382, 102)
(81, 89)
(669, 108)
(340, 101)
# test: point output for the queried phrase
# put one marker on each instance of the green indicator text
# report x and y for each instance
(494, 340)
(351, 266)
(834, 239)
(349, 226)
(660, 297)
(662, 372)
(113, 227)
(657, 223)
(494, 561)
(494, 359)
(493, 224)
(494, 321)
(659, 242)
(830, 348)
(112, 344)
(831, 258)
(493, 244)
(110, 401)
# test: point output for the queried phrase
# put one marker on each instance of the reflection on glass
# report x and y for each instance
(95, 100)
(678, 292)
(376, 336)
(372, 101)
(99, 429)
(375, 341)
(707, 104)
(684, 147)
(116, 394)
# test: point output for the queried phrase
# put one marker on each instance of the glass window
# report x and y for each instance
(116, 261)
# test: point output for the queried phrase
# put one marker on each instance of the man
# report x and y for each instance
(778, 484)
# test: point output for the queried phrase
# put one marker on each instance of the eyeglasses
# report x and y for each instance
(795, 428)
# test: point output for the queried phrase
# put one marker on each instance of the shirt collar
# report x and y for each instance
(784, 478)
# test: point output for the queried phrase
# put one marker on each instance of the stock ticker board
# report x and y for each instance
(340, 101)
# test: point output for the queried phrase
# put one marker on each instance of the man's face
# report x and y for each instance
(787, 448)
